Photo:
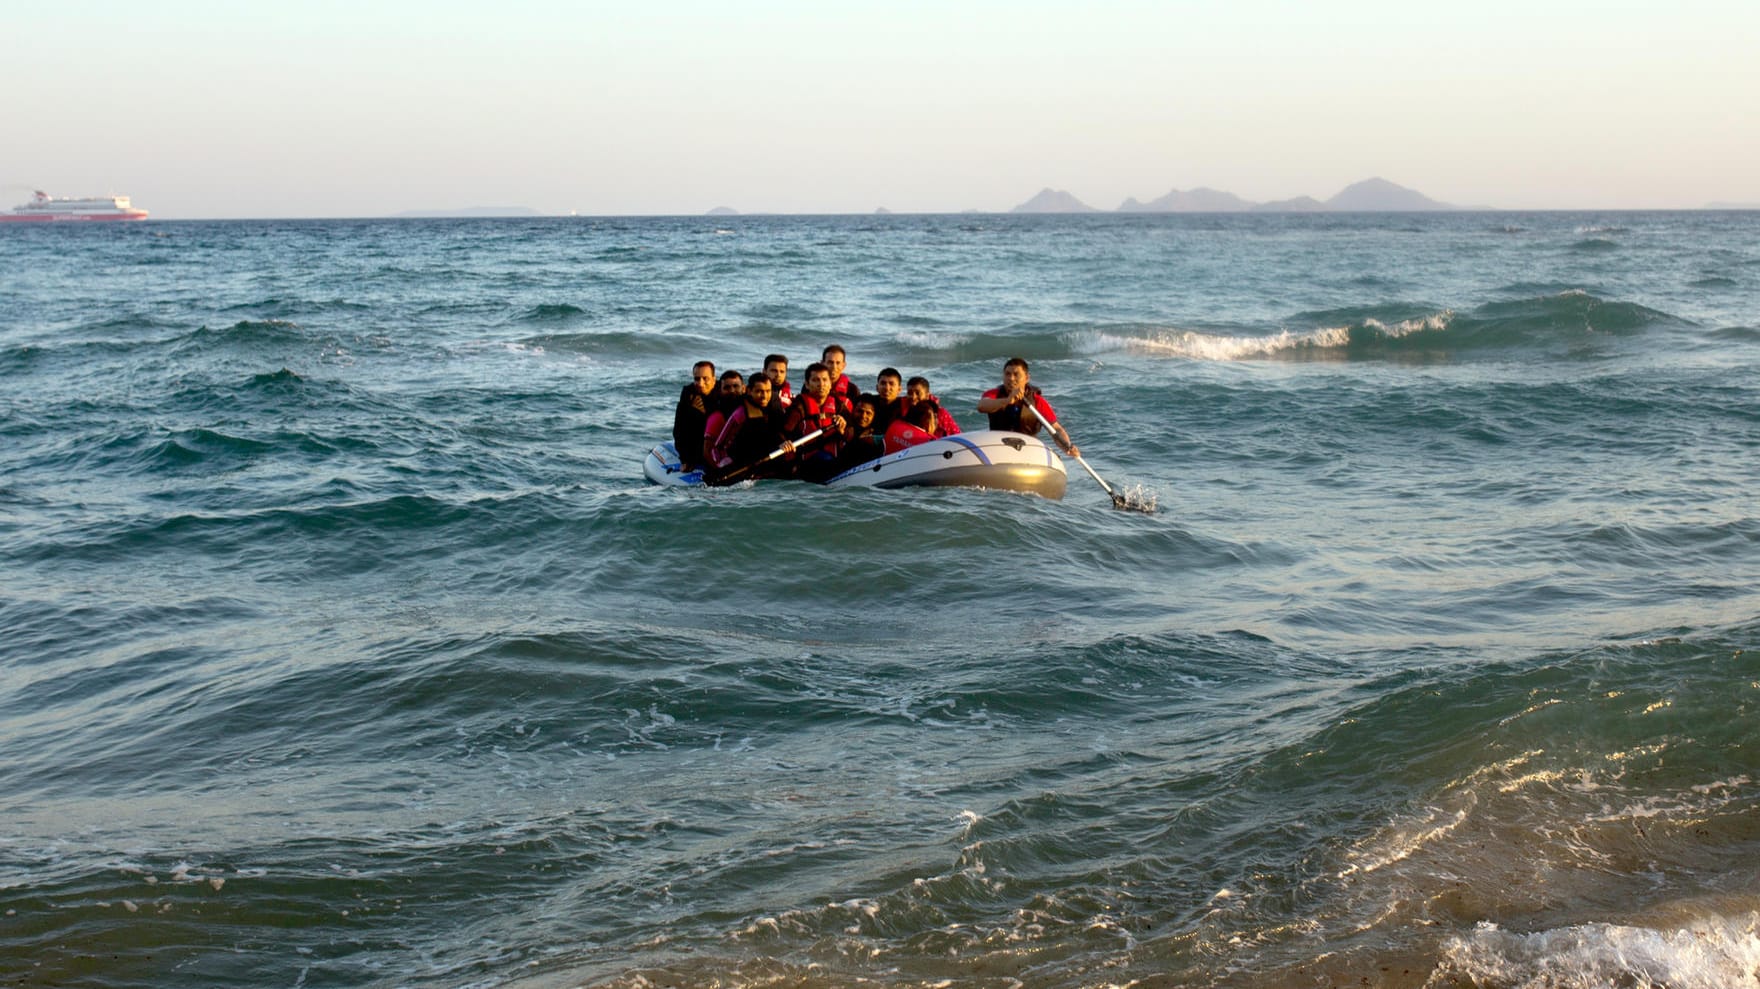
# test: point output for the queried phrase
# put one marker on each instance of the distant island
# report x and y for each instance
(436, 214)
(722, 211)
(1053, 201)
(1368, 196)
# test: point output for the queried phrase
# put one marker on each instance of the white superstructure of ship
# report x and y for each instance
(44, 207)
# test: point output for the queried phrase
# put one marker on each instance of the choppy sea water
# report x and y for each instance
(341, 643)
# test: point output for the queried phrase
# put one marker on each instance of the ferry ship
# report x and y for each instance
(45, 208)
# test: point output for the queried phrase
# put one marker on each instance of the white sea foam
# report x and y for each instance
(1699, 801)
(1710, 953)
(930, 339)
(1196, 345)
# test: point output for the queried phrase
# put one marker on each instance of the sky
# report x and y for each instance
(333, 109)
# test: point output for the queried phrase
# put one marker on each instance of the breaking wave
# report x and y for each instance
(1568, 324)
(1708, 953)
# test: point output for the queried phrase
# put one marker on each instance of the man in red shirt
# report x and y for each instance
(1017, 406)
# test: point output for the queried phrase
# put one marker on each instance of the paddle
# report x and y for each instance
(1124, 503)
(1119, 501)
(772, 455)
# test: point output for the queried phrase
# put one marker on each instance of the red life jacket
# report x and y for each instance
(819, 415)
(902, 435)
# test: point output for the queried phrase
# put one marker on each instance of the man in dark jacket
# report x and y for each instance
(694, 406)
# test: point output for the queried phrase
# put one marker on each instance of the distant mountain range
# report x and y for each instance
(1367, 196)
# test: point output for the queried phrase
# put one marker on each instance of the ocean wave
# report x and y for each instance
(248, 333)
(561, 312)
(1710, 952)
(1742, 334)
(783, 313)
(686, 344)
(276, 308)
(1567, 324)
(1594, 245)
(129, 325)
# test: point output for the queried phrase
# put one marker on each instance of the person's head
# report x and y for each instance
(834, 359)
(819, 379)
(888, 384)
(917, 389)
(703, 376)
(1014, 373)
(776, 368)
(732, 384)
(865, 411)
(923, 416)
(758, 390)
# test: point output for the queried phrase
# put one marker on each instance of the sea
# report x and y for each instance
(342, 642)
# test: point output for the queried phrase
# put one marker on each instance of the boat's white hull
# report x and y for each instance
(662, 467)
(983, 459)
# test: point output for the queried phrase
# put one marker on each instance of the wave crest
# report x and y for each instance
(1567, 324)
(1711, 952)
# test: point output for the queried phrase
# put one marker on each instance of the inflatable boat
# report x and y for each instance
(983, 459)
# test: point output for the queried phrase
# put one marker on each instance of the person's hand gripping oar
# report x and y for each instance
(788, 446)
(1119, 501)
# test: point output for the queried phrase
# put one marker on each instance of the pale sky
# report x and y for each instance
(320, 108)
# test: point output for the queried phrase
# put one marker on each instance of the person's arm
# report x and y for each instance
(1042, 411)
(994, 401)
(721, 451)
(1062, 435)
(681, 420)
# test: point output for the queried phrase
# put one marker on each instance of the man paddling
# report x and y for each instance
(728, 396)
(749, 437)
(1017, 406)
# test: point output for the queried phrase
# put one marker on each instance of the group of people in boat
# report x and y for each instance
(732, 427)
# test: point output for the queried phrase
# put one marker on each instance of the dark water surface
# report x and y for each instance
(341, 643)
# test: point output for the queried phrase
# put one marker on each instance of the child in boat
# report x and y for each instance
(817, 408)
(833, 358)
(749, 436)
(781, 393)
(917, 390)
(1017, 406)
(728, 396)
(694, 405)
(889, 390)
(867, 441)
(919, 425)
